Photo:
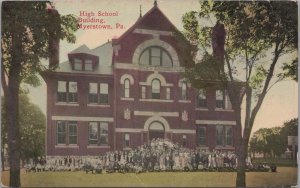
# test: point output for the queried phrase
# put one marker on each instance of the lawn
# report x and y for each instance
(284, 176)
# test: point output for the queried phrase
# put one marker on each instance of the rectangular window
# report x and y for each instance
(103, 93)
(202, 136)
(143, 92)
(93, 133)
(61, 132)
(168, 93)
(201, 101)
(228, 136)
(66, 91)
(72, 96)
(88, 65)
(61, 91)
(103, 133)
(72, 133)
(66, 132)
(220, 103)
(183, 91)
(126, 140)
(98, 133)
(155, 56)
(93, 93)
(77, 64)
(224, 135)
(220, 135)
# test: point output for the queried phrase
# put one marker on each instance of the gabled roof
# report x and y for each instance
(104, 52)
(81, 49)
(154, 19)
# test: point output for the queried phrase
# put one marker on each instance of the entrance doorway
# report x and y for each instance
(156, 130)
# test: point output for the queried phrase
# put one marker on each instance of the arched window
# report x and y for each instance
(183, 90)
(156, 56)
(156, 126)
(155, 89)
(126, 88)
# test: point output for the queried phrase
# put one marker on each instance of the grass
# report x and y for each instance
(285, 176)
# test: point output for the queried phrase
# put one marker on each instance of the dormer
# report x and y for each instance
(83, 59)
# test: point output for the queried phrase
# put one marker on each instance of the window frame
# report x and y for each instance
(220, 104)
(150, 57)
(184, 91)
(93, 97)
(66, 133)
(99, 134)
(155, 93)
(202, 137)
(126, 141)
(103, 97)
(67, 95)
(80, 61)
(224, 136)
(126, 93)
(202, 99)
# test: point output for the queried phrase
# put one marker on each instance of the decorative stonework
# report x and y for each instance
(127, 114)
(184, 116)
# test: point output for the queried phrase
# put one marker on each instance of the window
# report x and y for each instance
(143, 92)
(183, 90)
(72, 96)
(61, 132)
(220, 103)
(98, 133)
(168, 93)
(155, 89)
(66, 91)
(156, 56)
(224, 135)
(93, 93)
(72, 133)
(202, 136)
(228, 136)
(126, 88)
(103, 93)
(66, 132)
(184, 140)
(201, 101)
(88, 65)
(126, 140)
(61, 91)
(77, 64)
(93, 133)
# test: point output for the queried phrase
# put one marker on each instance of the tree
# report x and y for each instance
(27, 27)
(268, 140)
(257, 35)
(32, 129)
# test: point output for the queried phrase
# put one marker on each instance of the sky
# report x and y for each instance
(279, 106)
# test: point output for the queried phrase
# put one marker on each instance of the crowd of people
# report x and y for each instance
(158, 155)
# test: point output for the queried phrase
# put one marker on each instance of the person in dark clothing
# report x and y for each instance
(197, 159)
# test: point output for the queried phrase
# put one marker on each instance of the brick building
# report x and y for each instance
(126, 92)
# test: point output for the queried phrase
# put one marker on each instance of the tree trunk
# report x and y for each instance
(241, 173)
(12, 101)
(12, 108)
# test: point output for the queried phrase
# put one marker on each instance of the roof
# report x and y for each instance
(103, 52)
(154, 19)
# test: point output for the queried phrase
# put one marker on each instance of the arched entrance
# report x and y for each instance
(156, 130)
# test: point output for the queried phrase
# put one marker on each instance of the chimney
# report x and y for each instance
(54, 34)
(218, 42)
